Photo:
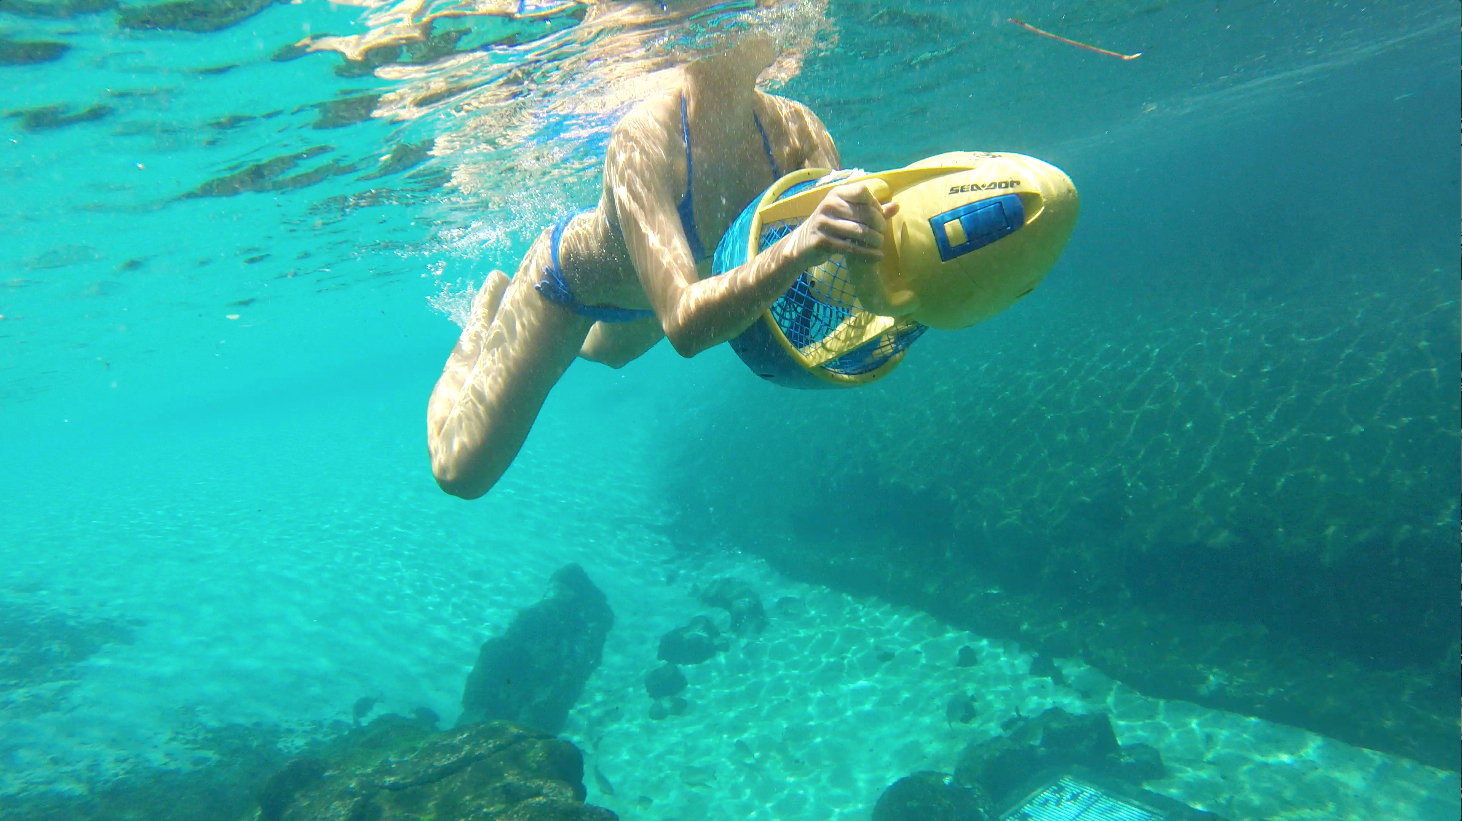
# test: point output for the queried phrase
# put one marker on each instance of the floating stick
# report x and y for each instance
(1023, 24)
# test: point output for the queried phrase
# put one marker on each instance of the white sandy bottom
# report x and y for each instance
(804, 721)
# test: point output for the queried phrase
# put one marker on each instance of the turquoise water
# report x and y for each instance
(225, 279)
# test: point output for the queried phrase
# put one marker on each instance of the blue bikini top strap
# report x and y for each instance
(685, 138)
(767, 144)
(686, 208)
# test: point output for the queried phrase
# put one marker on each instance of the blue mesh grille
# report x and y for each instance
(821, 300)
(731, 250)
(805, 315)
(872, 354)
(818, 302)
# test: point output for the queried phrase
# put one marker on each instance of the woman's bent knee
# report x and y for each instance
(460, 463)
(458, 479)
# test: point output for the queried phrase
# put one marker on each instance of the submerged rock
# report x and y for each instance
(55, 9)
(279, 791)
(534, 672)
(737, 598)
(59, 115)
(399, 770)
(426, 715)
(362, 707)
(29, 52)
(663, 681)
(960, 709)
(931, 796)
(190, 15)
(402, 157)
(345, 111)
(692, 643)
(1054, 740)
(1045, 667)
(43, 646)
(266, 175)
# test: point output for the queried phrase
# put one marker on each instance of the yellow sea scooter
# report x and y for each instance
(974, 233)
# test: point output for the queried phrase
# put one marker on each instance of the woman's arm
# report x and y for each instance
(695, 313)
(812, 145)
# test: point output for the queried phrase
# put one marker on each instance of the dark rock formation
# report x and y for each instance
(931, 796)
(345, 111)
(1045, 667)
(44, 645)
(27, 52)
(397, 769)
(427, 716)
(190, 15)
(55, 9)
(279, 791)
(273, 175)
(692, 643)
(664, 681)
(790, 607)
(59, 115)
(1054, 740)
(402, 157)
(363, 707)
(1141, 763)
(959, 709)
(737, 598)
(533, 673)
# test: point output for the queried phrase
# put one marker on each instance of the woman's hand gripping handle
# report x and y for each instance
(853, 222)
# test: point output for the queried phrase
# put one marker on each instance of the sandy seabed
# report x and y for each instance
(264, 601)
(813, 719)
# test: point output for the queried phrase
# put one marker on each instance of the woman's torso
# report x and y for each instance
(725, 172)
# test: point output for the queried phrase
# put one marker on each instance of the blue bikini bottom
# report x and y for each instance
(555, 288)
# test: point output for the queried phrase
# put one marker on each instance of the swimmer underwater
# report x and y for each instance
(608, 283)
(678, 170)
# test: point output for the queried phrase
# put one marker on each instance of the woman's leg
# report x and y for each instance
(488, 298)
(616, 344)
(497, 378)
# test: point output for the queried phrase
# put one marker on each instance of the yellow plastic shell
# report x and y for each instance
(973, 287)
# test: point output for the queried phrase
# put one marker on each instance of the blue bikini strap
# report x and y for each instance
(685, 138)
(555, 288)
(552, 286)
(767, 144)
(686, 208)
